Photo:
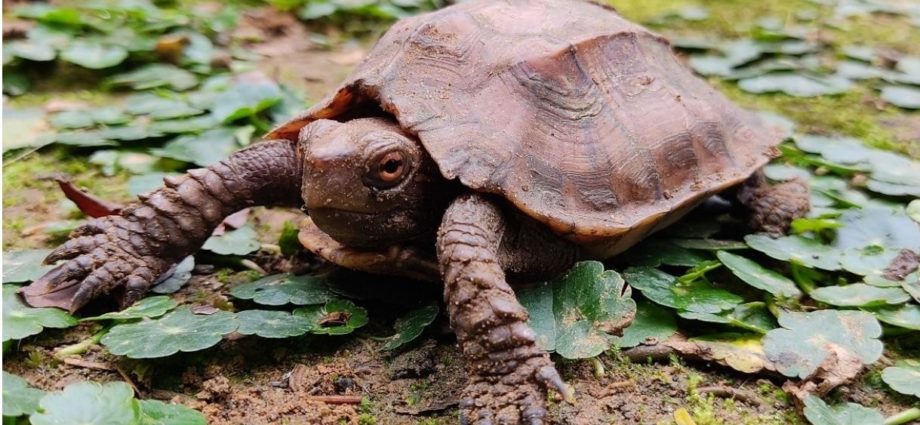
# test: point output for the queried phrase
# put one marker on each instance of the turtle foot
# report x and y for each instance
(518, 397)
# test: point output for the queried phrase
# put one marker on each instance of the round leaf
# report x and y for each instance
(20, 320)
(286, 288)
(18, 397)
(32, 50)
(819, 413)
(904, 97)
(410, 326)
(805, 339)
(93, 55)
(89, 403)
(180, 330)
(759, 277)
(155, 412)
(906, 316)
(652, 323)
(156, 76)
(795, 85)
(859, 295)
(538, 300)
(903, 379)
(240, 241)
(272, 324)
(590, 304)
(146, 308)
(804, 251)
(25, 265)
(203, 149)
(337, 317)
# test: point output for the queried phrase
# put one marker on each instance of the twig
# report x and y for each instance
(728, 392)
(621, 384)
(129, 381)
(77, 362)
(336, 399)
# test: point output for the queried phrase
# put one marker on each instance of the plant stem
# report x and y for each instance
(599, 370)
(904, 417)
(82, 346)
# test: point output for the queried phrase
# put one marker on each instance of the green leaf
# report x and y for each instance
(25, 265)
(796, 85)
(285, 288)
(187, 125)
(870, 238)
(663, 288)
(904, 97)
(14, 84)
(759, 277)
(203, 149)
(410, 326)
(20, 320)
(155, 412)
(819, 413)
(590, 304)
(272, 324)
(806, 339)
(245, 100)
(240, 241)
(93, 55)
(652, 323)
(903, 379)
(149, 307)
(91, 138)
(538, 300)
(859, 295)
(32, 50)
(709, 244)
(155, 76)
(19, 398)
(336, 317)
(752, 316)
(180, 275)
(906, 316)
(146, 182)
(913, 210)
(798, 249)
(89, 403)
(159, 107)
(655, 252)
(71, 120)
(180, 330)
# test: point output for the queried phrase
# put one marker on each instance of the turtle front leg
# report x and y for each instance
(129, 251)
(771, 208)
(509, 373)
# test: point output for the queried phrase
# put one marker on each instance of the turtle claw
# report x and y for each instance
(518, 397)
(95, 264)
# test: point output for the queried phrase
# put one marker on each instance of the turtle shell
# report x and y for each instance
(579, 118)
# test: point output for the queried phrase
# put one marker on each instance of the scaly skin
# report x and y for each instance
(771, 208)
(133, 249)
(509, 373)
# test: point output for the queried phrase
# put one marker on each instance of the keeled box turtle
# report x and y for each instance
(506, 138)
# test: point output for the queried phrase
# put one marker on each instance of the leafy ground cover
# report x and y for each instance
(729, 327)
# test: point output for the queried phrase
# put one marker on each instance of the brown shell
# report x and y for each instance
(581, 119)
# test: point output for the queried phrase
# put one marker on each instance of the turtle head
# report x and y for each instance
(369, 184)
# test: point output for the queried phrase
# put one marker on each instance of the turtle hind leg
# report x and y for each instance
(509, 373)
(771, 208)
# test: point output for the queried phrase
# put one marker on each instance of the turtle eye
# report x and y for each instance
(389, 170)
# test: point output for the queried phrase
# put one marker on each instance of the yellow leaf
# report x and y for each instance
(682, 417)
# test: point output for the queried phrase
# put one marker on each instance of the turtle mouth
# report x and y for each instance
(363, 229)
